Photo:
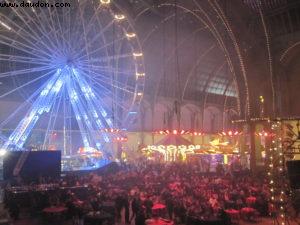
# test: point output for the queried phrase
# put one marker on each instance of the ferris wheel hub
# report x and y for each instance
(69, 62)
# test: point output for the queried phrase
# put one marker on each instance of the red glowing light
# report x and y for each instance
(175, 132)
(121, 139)
(197, 133)
(111, 130)
(264, 134)
(229, 133)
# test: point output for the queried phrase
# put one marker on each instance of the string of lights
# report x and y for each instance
(276, 172)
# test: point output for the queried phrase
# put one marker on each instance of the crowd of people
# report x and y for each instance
(134, 191)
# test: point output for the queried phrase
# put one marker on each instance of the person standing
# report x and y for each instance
(170, 207)
(140, 217)
(126, 206)
(135, 205)
(148, 205)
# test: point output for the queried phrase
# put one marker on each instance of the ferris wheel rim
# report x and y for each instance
(129, 32)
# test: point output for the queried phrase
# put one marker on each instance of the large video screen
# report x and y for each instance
(34, 164)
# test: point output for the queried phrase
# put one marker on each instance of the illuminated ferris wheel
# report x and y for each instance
(78, 67)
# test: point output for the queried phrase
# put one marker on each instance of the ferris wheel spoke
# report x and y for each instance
(37, 22)
(54, 116)
(86, 45)
(103, 47)
(107, 93)
(13, 115)
(107, 69)
(81, 113)
(67, 20)
(118, 104)
(60, 28)
(21, 59)
(108, 82)
(39, 27)
(25, 71)
(91, 42)
(11, 25)
(47, 20)
(92, 101)
(23, 47)
(47, 136)
(105, 90)
(95, 17)
(107, 105)
(77, 39)
(23, 105)
(31, 33)
(104, 40)
(24, 85)
(120, 88)
(110, 58)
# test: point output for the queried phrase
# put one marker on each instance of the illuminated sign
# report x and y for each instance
(163, 148)
(171, 152)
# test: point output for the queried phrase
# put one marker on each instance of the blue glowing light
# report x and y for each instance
(89, 114)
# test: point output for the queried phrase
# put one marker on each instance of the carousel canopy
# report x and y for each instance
(173, 139)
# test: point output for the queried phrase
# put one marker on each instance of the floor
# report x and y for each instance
(262, 221)
(37, 221)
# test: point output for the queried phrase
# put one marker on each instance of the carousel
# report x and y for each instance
(175, 147)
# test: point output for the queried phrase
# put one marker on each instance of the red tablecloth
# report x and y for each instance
(251, 200)
(247, 210)
(158, 206)
(232, 211)
(234, 214)
(57, 209)
(159, 222)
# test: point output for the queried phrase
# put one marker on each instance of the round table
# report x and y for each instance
(158, 206)
(55, 209)
(159, 210)
(159, 221)
(248, 212)
(250, 200)
(233, 214)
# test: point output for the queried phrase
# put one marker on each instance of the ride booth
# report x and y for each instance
(176, 148)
